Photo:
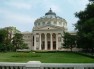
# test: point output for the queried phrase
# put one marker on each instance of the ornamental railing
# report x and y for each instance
(39, 65)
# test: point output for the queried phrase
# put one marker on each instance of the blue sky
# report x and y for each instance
(22, 13)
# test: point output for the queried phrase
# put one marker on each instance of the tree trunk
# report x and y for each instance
(71, 48)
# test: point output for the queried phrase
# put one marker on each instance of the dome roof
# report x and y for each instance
(50, 12)
(50, 18)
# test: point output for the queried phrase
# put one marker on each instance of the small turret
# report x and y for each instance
(50, 12)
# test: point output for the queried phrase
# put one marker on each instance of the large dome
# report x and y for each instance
(50, 18)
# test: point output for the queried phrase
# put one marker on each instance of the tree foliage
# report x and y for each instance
(3, 35)
(69, 41)
(18, 41)
(85, 27)
(91, 0)
(8, 43)
(3, 39)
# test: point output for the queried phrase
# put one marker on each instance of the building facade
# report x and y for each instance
(47, 32)
(28, 39)
(11, 31)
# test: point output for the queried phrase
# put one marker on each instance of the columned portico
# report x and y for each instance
(46, 41)
(49, 30)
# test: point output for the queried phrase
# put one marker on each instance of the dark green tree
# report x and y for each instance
(3, 39)
(85, 27)
(91, 0)
(18, 42)
(69, 41)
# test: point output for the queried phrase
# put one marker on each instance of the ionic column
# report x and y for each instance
(40, 42)
(56, 41)
(45, 41)
(51, 44)
(34, 41)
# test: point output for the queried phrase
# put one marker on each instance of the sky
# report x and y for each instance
(22, 13)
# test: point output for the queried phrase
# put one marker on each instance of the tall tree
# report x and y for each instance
(18, 41)
(3, 37)
(85, 27)
(69, 41)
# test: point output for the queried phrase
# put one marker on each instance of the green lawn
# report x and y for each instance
(64, 57)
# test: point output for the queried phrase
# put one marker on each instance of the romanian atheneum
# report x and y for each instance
(47, 32)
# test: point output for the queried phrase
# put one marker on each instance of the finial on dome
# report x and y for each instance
(50, 10)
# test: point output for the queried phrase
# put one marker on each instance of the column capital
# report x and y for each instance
(51, 33)
(45, 33)
(56, 33)
(34, 34)
(40, 33)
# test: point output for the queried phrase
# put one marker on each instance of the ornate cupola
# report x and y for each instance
(50, 12)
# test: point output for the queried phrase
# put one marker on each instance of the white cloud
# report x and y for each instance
(16, 17)
(4, 11)
(78, 4)
(13, 14)
(53, 6)
(19, 5)
(77, 1)
(19, 18)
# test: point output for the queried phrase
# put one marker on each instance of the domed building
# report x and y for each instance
(48, 31)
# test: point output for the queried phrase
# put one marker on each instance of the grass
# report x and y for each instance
(57, 57)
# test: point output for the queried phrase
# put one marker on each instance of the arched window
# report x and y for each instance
(38, 23)
(49, 23)
(55, 23)
(43, 23)
(60, 23)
